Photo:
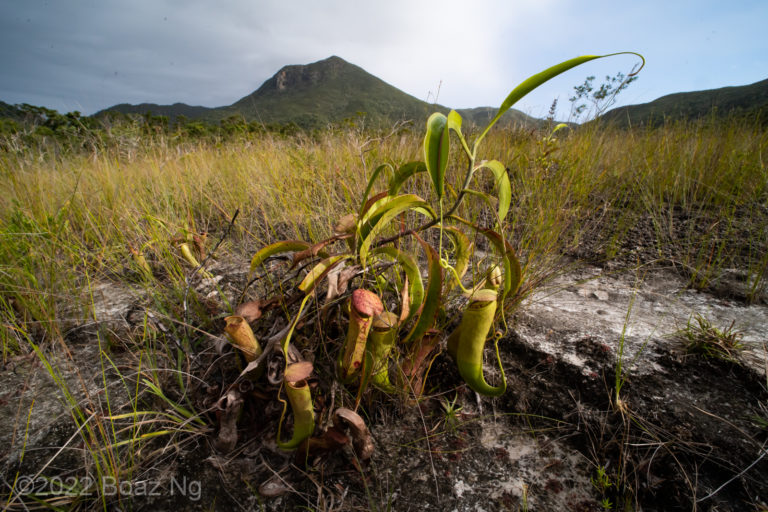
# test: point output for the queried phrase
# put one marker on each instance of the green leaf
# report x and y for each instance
(277, 248)
(426, 211)
(558, 128)
(374, 209)
(454, 123)
(403, 173)
(411, 268)
(373, 203)
(372, 212)
(436, 148)
(319, 271)
(380, 214)
(431, 302)
(503, 187)
(538, 79)
(371, 181)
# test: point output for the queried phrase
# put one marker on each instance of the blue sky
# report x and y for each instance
(90, 54)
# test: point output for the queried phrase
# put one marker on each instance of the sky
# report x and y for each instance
(87, 55)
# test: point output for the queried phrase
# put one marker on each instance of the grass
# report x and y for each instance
(703, 338)
(70, 220)
(452, 414)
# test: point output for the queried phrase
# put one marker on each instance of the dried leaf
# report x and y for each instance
(347, 273)
(333, 284)
(199, 241)
(405, 300)
(228, 410)
(346, 224)
(250, 310)
(361, 437)
(332, 440)
(273, 488)
(220, 343)
(338, 280)
(415, 367)
(310, 252)
(276, 364)
(275, 368)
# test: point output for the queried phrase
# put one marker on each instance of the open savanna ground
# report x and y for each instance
(633, 348)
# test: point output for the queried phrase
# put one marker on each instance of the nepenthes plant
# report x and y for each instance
(408, 260)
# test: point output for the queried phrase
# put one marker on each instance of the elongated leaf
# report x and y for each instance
(436, 148)
(372, 204)
(376, 207)
(402, 175)
(454, 123)
(426, 211)
(411, 268)
(311, 252)
(539, 78)
(371, 181)
(432, 299)
(503, 187)
(393, 207)
(557, 128)
(277, 248)
(319, 271)
(373, 209)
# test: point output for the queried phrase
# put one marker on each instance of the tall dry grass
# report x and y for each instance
(63, 215)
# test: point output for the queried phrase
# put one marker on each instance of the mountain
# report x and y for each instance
(481, 116)
(327, 91)
(747, 101)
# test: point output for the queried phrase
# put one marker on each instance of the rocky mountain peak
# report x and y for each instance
(308, 75)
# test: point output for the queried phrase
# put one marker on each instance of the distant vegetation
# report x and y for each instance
(333, 94)
(747, 102)
(26, 127)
